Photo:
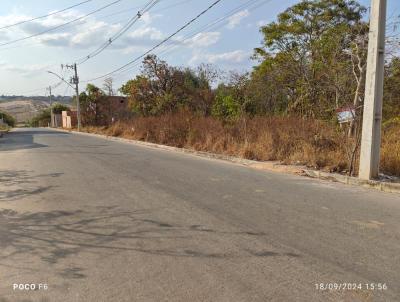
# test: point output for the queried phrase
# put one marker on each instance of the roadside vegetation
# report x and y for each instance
(44, 117)
(8, 120)
(311, 64)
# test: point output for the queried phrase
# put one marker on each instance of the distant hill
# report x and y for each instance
(59, 99)
(23, 109)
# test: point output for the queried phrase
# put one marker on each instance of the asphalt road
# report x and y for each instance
(99, 220)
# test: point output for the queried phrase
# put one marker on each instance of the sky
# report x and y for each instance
(228, 44)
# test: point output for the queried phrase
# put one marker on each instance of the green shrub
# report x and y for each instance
(8, 119)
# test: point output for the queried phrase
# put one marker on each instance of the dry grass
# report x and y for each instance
(390, 151)
(290, 140)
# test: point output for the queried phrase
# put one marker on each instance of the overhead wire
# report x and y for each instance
(45, 16)
(122, 31)
(104, 18)
(61, 25)
(160, 43)
(250, 4)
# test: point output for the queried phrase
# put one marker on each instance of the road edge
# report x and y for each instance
(271, 166)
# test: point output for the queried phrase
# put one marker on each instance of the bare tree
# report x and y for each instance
(358, 56)
(108, 86)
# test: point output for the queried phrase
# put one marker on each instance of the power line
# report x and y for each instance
(61, 25)
(217, 23)
(103, 18)
(159, 44)
(45, 16)
(41, 89)
(138, 7)
(123, 30)
(172, 5)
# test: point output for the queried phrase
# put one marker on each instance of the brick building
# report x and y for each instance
(113, 108)
(104, 112)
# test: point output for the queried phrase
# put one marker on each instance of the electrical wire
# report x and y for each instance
(45, 16)
(251, 4)
(172, 6)
(61, 25)
(159, 44)
(41, 89)
(103, 18)
(122, 31)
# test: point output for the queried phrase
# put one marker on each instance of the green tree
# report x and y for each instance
(7, 118)
(391, 100)
(42, 119)
(59, 108)
(161, 88)
(90, 100)
(226, 107)
(307, 52)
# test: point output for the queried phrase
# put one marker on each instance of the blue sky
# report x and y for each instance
(228, 45)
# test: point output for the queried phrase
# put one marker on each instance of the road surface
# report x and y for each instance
(98, 220)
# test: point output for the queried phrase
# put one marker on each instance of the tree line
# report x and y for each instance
(312, 61)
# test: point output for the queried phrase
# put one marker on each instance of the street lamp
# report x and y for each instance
(61, 78)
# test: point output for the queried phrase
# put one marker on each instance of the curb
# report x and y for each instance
(383, 186)
(2, 132)
(237, 160)
(271, 166)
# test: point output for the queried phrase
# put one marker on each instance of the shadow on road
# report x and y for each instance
(24, 139)
(16, 185)
(55, 236)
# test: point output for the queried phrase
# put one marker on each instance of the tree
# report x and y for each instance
(391, 102)
(42, 119)
(161, 88)
(7, 118)
(305, 51)
(90, 101)
(225, 107)
(59, 108)
(108, 86)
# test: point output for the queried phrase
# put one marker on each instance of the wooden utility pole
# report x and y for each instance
(372, 117)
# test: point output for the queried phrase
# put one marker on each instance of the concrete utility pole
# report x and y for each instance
(372, 119)
(75, 80)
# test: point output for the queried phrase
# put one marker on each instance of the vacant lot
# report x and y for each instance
(317, 144)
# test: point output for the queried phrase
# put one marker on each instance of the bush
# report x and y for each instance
(8, 119)
(59, 108)
(42, 119)
(226, 107)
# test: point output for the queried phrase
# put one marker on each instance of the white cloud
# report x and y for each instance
(25, 70)
(237, 18)
(139, 40)
(88, 33)
(236, 56)
(262, 23)
(204, 39)
(148, 18)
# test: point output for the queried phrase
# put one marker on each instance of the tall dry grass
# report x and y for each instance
(390, 151)
(290, 140)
